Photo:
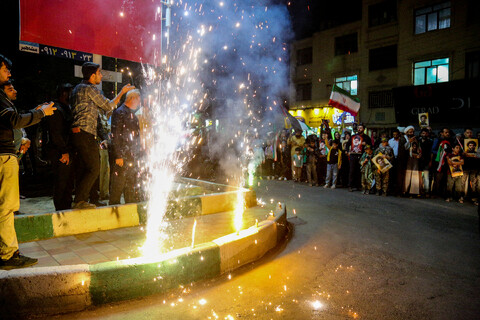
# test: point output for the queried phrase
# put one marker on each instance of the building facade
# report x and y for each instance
(403, 58)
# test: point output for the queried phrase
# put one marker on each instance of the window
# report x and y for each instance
(304, 92)
(380, 116)
(430, 71)
(472, 65)
(382, 13)
(304, 56)
(346, 44)
(349, 84)
(382, 58)
(380, 99)
(433, 18)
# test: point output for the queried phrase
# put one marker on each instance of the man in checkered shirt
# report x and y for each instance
(86, 99)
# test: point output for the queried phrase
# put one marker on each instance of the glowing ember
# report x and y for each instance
(193, 233)
(317, 305)
(239, 209)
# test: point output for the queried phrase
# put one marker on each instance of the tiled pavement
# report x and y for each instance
(103, 246)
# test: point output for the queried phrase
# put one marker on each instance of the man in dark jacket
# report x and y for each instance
(10, 119)
(125, 149)
(59, 149)
(355, 147)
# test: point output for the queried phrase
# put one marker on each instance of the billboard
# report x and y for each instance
(129, 30)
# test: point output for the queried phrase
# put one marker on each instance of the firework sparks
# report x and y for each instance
(221, 54)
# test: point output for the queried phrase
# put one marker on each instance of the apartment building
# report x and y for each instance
(404, 57)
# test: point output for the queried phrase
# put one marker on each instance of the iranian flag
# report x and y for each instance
(342, 100)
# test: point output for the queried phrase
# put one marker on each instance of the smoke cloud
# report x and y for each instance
(231, 58)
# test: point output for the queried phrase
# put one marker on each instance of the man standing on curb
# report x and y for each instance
(10, 119)
(125, 149)
(86, 100)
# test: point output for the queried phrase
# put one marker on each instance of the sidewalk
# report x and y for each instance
(124, 243)
(75, 272)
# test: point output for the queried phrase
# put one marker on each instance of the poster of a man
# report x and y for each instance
(423, 120)
(382, 163)
(357, 144)
(471, 145)
(456, 167)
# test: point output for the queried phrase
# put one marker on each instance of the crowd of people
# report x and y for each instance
(424, 165)
(76, 137)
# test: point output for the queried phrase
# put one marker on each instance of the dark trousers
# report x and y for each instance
(322, 170)
(123, 180)
(62, 184)
(354, 174)
(344, 171)
(88, 161)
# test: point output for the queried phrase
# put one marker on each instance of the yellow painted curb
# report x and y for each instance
(249, 245)
(218, 202)
(103, 218)
(222, 202)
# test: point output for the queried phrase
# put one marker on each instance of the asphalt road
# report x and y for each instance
(351, 256)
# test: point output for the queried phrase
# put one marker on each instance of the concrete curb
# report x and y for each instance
(71, 222)
(48, 290)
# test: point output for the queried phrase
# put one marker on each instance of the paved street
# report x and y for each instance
(351, 256)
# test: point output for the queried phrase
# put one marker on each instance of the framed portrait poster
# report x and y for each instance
(381, 163)
(423, 120)
(456, 169)
(471, 145)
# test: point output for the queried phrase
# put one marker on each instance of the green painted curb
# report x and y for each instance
(30, 228)
(121, 280)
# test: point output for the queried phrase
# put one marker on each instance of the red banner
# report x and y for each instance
(129, 30)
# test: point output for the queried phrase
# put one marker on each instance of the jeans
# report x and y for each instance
(9, 203)
(89, 160)
(332, 172)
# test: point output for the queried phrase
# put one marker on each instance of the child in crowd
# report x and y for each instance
(382, 178)
(297, 160)
(311, 152)
(367, 169)
(334, 163)
(455, 187)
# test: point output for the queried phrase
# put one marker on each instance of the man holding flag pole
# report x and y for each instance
(355, 147)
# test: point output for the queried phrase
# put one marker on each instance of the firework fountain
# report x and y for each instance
(229, 56)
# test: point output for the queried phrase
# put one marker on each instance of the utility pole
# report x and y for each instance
(168, 22)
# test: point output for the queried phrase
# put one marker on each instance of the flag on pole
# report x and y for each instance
(342, 100)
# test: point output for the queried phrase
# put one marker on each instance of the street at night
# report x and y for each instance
(351, 256)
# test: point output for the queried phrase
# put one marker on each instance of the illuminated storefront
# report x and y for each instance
(314, 117)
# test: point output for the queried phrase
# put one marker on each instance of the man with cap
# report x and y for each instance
(86, 100)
